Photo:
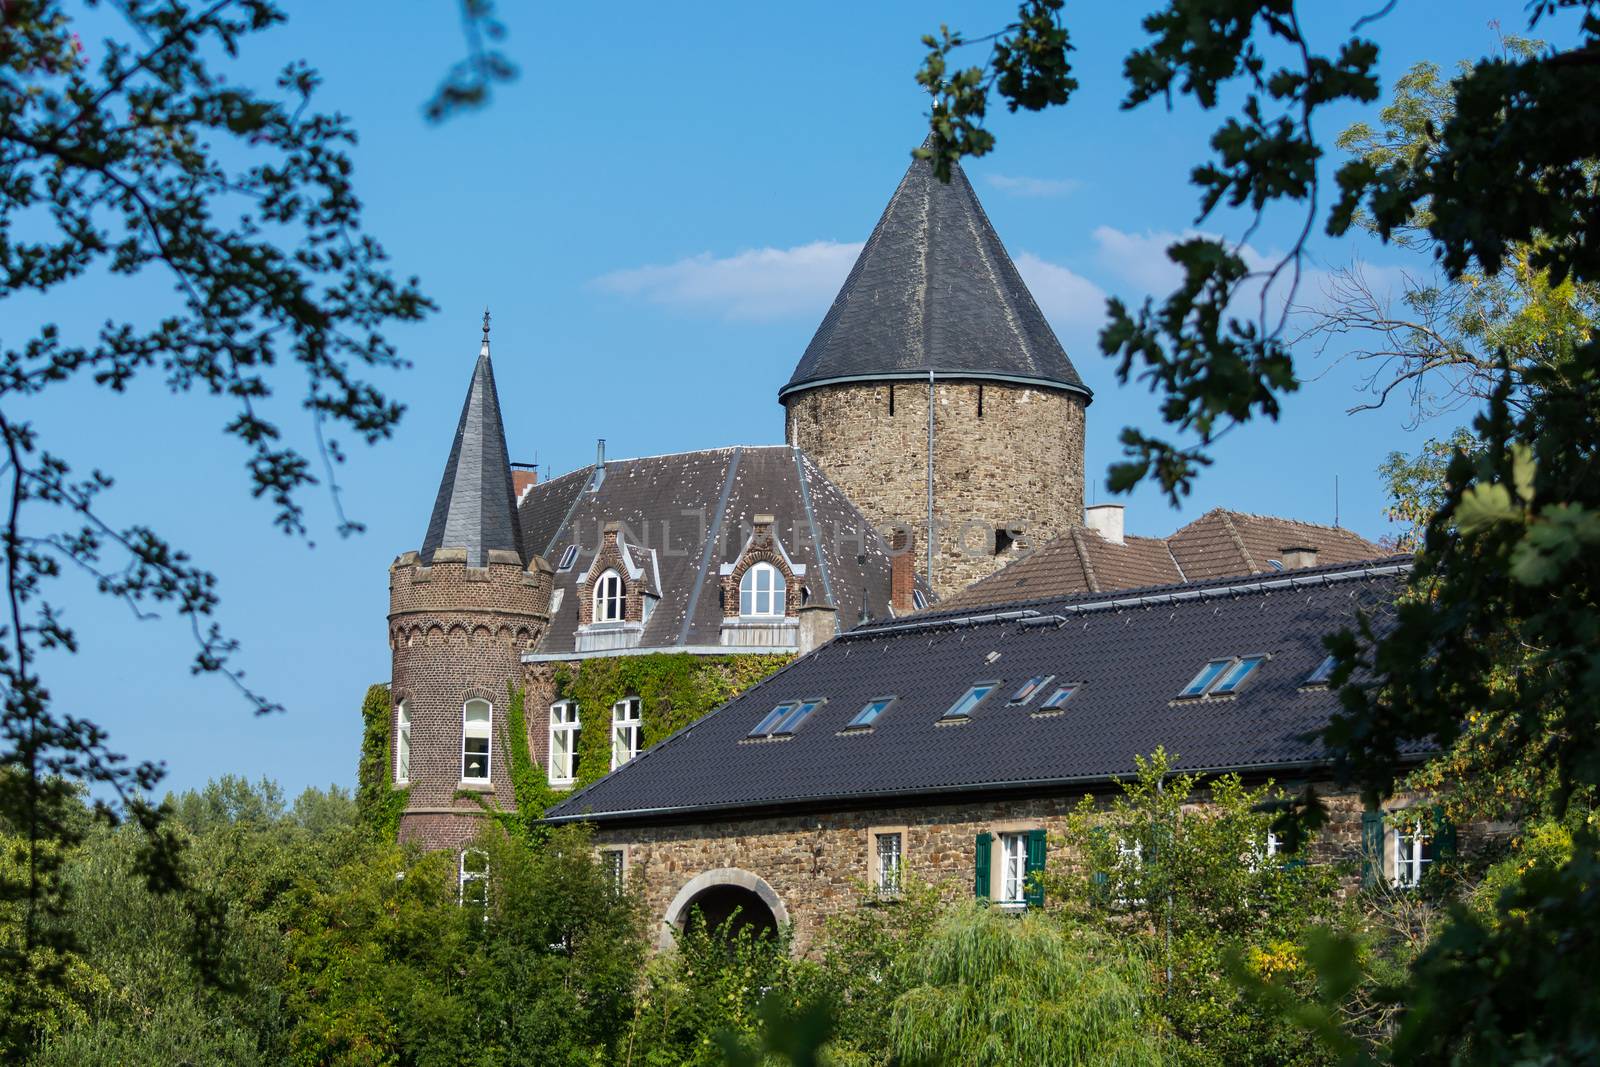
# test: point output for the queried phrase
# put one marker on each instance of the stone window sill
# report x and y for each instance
(476, 786)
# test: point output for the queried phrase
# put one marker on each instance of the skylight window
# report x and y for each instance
(1208, 674)
(971, 699)
(791, 722)
(1323, 673)
(771, 719)
(1030, 689)
(568, 558)
(869, 712)
(1236, 674)
(919, 599)
(1058, 699)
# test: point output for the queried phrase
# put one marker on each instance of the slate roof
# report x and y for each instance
(1219, 544)
(694, 509)
(934, 289)
(1132, 652)
(476, 507)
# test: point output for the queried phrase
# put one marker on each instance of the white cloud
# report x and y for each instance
(1039, 187)
(1067, 298)
(761, 283)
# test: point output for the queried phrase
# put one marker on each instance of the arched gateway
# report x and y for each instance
(718, 894)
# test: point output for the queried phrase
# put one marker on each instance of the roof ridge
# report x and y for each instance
(1238, 542)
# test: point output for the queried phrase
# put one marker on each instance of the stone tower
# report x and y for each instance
(935, 316)
(460, 612)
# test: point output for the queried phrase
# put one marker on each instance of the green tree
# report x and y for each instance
(995, 989)
(1502, 625)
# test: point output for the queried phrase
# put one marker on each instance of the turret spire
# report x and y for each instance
(476, 507)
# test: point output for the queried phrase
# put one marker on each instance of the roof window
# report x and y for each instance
(1030, 689)
(1058, 699)
(1323, 673)
(1222, 677)
(785, 718)
(919, 599)
(970, 700)
(568, 557)
(771, 719)
(869, 713)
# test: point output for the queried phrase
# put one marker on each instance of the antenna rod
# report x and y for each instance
(1335, 501)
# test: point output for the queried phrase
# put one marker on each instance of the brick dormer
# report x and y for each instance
(761, 591)
(616, 592)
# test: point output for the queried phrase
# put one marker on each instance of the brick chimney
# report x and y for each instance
(902, 571)
(1296, 557)
(523, 475)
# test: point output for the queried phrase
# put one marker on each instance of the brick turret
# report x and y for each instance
(461, 611)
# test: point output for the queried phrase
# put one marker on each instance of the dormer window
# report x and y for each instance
(761, 591)
(608, 597)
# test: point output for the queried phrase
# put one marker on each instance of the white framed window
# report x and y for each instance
(402, 744)
(1130, 858)
(626, 730)
(472, 889)
(564, 731)
(761, 591)
(476, 728)
(613, 862)
(1013, 868)
(890, 856)
(1413, 852)
(608, 597)
(1262, 855)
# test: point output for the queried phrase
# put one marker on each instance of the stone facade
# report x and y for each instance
(456, 633)
(817, 865)
(1006, 457)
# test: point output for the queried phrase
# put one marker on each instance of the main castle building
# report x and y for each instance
(933, 452)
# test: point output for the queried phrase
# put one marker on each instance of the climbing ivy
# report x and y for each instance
(674, 689)
(529, 786)
(378, 802)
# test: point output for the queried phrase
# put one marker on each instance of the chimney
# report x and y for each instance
(599, 465)
(902, 576)
(523, 476)
(818, 623)
(1296, 557)
(1105, 520)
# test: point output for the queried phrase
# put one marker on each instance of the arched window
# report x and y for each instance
(402, 744)
(475, 730)
(608, 601)
(761, 591)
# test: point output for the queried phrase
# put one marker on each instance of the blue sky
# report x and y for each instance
(658, 213)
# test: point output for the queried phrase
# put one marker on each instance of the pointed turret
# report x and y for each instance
(934, 290)
(476, 509)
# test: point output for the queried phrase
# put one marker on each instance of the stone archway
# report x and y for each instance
(717, 894)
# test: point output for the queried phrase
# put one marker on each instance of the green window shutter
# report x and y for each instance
(980, 870)
(1034, 893)
(1371, 848)
(1099, 880)
(1444, 835)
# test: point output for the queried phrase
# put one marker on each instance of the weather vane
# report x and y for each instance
(485, 324)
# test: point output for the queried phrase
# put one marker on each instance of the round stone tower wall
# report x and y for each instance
(457, 633)
(1006, 457)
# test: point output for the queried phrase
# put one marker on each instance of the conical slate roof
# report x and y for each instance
(476, 507)
(934, 290)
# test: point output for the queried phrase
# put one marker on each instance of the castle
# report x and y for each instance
(964, 654)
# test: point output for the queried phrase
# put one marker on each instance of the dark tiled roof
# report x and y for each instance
(934, 290)
(1219, 544)
(695, 509)
(476, 508)
(1131, 652)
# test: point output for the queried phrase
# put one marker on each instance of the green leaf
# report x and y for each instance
(1482, 506)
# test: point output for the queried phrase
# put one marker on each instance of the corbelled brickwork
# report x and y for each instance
(1017, 466)
(456, 633)
(819, 864)
(763, 548)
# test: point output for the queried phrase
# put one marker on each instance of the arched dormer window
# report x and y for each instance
(402, 744)
(475, 730)
(608, 597)
(761, 591)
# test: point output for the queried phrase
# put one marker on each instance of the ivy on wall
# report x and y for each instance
(378, 801)
(530, 788)
(674, 689)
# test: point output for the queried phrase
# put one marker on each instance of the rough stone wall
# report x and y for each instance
(1018, 466)
(818, 864)
(455, 633)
